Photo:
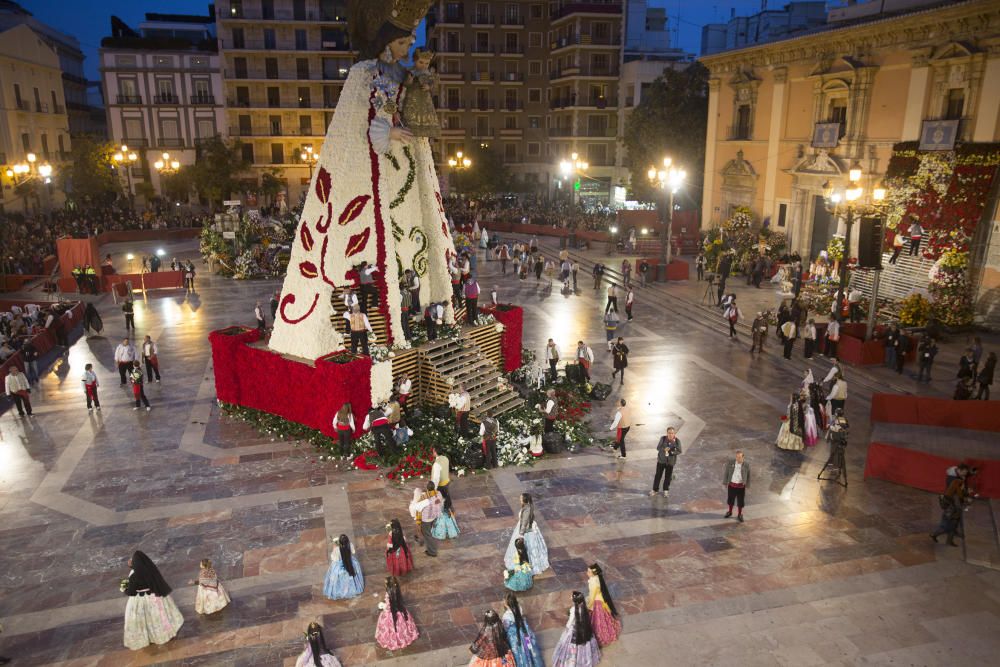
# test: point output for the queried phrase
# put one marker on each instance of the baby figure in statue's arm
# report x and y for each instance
(419, 115)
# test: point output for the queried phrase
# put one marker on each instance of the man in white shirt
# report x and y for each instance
(258, 312)
(736, 477)
(854, 304)
(360, 328)
(151, 359)
(552, 358)
(350, 299)
(425, 511)
(809, 337)
(462, 408)
(367, 283)
(441, 476)
(584, 357)
(489, 431)
(17, 387)
(621, 426)
(404, 389)
(788, 333)
(433, 316)
(413, 284)
(125, 354)
(832, 337)
(550, 410)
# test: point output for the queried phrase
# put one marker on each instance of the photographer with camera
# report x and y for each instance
(666, 458)
(837, 435)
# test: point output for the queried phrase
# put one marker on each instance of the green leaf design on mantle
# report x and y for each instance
(410, 175)
(420, 258)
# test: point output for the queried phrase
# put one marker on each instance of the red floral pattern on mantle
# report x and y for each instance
(264, 380)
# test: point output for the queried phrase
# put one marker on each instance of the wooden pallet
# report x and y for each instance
(899, 280)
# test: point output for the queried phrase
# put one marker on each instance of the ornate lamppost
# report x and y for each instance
(669, 180)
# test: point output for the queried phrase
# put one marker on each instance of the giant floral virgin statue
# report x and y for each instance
(374, 197)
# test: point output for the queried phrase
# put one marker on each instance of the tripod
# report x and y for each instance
(709, 295)
(836, 464)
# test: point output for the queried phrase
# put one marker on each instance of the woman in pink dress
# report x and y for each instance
(395, 628)
(603, 615)
(398, 559)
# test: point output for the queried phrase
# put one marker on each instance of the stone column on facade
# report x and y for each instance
(711, 147)
(989, 98)
(916, 95)
(780, 78)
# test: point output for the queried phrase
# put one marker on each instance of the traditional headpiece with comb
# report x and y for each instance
(407, 14)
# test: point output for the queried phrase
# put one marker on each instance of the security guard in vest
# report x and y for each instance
(91, 278)
(360, 328)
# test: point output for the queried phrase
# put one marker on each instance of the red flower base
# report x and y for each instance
(361, 461)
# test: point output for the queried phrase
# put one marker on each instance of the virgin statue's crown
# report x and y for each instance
(407, 14)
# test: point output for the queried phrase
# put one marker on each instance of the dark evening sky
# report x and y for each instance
(89, 20)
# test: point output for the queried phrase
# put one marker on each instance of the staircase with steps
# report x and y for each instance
(899, 280)
(447, 364)
(375, 317)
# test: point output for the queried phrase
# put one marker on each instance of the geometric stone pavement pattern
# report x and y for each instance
(817, 574)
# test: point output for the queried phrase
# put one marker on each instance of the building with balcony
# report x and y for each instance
(787, 116)
(163, 90)
(539, 79)
(34, 126)
(284, 63)
(84, 117)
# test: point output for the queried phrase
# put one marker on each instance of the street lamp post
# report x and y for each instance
(125, 159)
(669, 179)
(310, 157)
(573, 166)
(459, 163)
(29, 170)
(166, 166)
(850, 198)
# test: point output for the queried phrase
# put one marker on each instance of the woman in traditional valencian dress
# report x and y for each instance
(316, 654)
(374, 197)
(792, 428)
(522, 640)
(526, 527)
(151, 617)
(578, 646)
(395, 628)
(211, 595)
(603, 615)
(520, 578)
(344, 578)
(490, 648)
(398, 559)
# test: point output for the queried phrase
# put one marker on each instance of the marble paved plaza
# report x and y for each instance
(816, 575)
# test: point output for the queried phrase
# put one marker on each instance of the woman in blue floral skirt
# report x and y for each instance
(344, 578)
(520, 577)
(522, 640)
(445, 527)
(578, 646)
(533, 540)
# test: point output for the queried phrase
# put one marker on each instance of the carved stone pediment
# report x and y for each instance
(738, 173)
(820, 163)
(743, 77)
(953, 50)
(837, 65)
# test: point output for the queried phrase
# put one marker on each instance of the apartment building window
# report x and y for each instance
(45, 146)
(245, 125)
(600, 63)
(954, 104)
(453, 122)
(483, 100)
(62, 146)
(535, 95)
(510, 100)
(274, 97)
(534, 149)
(299, 10)
(17, 96)
(600, 33)
(274, 125)
(452, 42)
(534, 122)
(482, 42)
(302, 68)
(165, 91)
(236, 9)
(782, 214)
(133, 129)
(305, 126)
(271, 68)
(205, 128)
(511, 43)
(482, 126)
(453, 12)
(330, 95)
(537, 12)
(239, 41)
(170, 132)
(483, 13)
(305, 98)
(38, 100)
(333, 39)
(267, 9)
(512, 14)
(510, 152)
(454, 98)
(198, 62)
(240, 67)
(334, 68)
(202, 91)
(246, 151)
(242, 96)
(277, 154)
(26, 142)
(270, 42)
(333, 10)
(510, 123)
(301, 42)
(535, 68)
(535, 40)
(597, 126)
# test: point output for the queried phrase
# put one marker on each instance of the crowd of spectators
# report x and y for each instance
(27, 241)
(487, 211)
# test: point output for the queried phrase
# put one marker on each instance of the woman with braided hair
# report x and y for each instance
(316, 654)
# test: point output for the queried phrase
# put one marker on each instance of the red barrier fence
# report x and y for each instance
(925, 471)
(151, 280)
(943, 412)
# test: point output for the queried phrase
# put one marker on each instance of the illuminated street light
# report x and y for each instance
(669, 179)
